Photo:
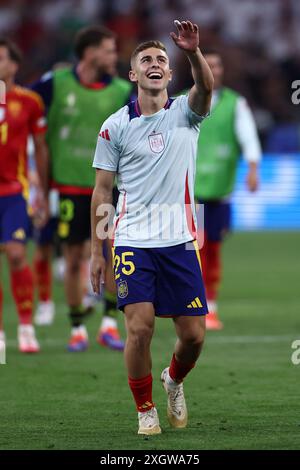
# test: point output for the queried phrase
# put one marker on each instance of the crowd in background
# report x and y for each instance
(259, 41)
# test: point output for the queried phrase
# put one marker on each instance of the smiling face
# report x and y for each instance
(151, 70)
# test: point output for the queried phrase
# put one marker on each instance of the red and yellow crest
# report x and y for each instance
(14, 107)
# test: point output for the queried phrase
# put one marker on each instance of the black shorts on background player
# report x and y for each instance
(74, 224)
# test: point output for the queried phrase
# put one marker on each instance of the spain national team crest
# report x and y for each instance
(14, 108)
(122, 289)
(19, 234)
(156, 142)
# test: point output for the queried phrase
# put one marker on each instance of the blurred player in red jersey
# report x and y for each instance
(21, 115)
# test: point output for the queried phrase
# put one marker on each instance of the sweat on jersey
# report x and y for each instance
(154, 158)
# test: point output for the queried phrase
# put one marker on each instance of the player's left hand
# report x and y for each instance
(188, 36)
(41, 210)
(97, 272)
(252, 180)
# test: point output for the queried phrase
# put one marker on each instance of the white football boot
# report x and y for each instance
(176, 411)
(45, 313)
(149, 422)
(27, 340)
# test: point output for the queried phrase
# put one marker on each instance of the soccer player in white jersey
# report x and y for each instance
(151, 146)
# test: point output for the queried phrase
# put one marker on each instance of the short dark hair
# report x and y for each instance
(90, 36)
(146, 45)
(14, 52)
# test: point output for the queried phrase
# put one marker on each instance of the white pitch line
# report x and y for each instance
(252, 339)
(209, 339)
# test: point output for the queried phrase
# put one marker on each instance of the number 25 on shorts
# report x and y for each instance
(127, 266)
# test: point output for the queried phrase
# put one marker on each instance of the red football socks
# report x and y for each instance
(43, 278)
(211, 268)
(22, 289)
(178, 370)
(142, 392)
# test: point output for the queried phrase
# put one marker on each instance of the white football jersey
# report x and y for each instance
(154, 159)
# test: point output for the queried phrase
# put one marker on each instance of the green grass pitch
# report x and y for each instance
(243, 394)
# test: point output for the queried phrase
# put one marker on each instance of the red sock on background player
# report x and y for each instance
(211, 267)
(213, 274)
(43, 279)
(211, 270)
(22, 289)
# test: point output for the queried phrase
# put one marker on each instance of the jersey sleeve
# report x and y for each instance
(37, 120)
(246, 132)
(107, 152)
(193, 119)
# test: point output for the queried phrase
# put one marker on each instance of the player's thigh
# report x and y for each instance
(139, 319)
(43, 252)
(16, 253)
(74, 218)
(74, 254)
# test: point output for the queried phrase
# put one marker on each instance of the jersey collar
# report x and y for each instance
(135, 110)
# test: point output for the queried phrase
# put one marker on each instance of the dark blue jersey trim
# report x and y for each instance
(44, 87)
(134, 110)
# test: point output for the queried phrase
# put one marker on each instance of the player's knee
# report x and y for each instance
(73, 268)
(16, 261)
(196, 341)
(195, 337)
(74, 259)
(16, 256)
(74, 265)
(139, 336)
(43, 253)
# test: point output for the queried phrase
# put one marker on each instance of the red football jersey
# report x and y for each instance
(22, 115)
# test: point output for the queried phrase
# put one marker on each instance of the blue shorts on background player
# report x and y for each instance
(14, 219)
